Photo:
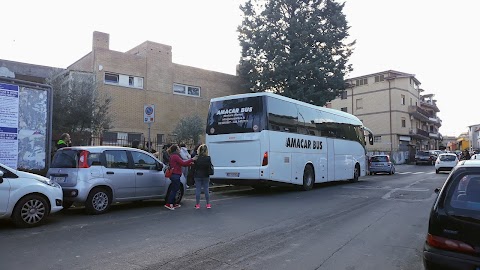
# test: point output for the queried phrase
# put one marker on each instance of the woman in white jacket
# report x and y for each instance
(185, 156)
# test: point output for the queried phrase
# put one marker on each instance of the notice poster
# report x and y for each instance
(9, 105)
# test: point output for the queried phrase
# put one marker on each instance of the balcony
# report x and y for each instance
(429, 104)
(436, 121)
(419, 134)
(419, 113)
(436, 136)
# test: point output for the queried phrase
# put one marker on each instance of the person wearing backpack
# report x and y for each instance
(176, 163)
(203, 168)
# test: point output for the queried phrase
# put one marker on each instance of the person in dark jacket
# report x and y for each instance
(202, 171)
(466, 155)
(165, 155)
(176, 162)
(65, 141)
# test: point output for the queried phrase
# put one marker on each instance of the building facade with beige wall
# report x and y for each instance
(391, 104)
(146, 75)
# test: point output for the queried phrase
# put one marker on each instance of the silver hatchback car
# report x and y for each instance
(98, 176)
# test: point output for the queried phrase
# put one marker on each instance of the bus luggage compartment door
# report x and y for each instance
(236, 154)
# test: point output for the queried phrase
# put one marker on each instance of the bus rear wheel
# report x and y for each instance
(356, 173)
(308, 178)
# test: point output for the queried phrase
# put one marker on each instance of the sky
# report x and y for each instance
(435, 40)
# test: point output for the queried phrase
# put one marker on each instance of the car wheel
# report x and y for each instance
(178, 196)
(98, 201)
(30, 211)
(393, 170)
(308, 178)
(437, 171)
(356, 173)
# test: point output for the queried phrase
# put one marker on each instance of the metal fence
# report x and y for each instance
(126, 142)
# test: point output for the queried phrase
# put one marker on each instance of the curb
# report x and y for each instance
(216, 188)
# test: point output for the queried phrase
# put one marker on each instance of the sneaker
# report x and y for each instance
(169, 206)
(197, 206)
(177, 205)
(209, 206)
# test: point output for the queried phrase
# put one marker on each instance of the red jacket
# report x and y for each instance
(176, 162)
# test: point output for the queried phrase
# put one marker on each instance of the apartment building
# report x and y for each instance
(474, 137)
(146, 75)
(393, 106)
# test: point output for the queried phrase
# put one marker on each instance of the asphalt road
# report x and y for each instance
(379, 222)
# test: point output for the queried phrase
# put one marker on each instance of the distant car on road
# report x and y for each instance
(475, 156)
(424, 157)
(27, 198)
(381, 163)
(445, 162)
(97, 176)
(453, 240)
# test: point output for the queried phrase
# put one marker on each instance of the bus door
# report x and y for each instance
(330, 159)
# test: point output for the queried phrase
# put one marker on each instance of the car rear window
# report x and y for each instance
(447, 158)
(463, 198)
(65, 159)
(421, 153)
(380, 159)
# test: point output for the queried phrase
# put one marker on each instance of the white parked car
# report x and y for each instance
(475, 156)
(445, 162)
(27, 198)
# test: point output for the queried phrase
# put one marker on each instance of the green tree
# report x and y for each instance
(295, 48)
(189, 128)
(78, 107)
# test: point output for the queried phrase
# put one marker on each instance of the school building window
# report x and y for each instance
(344, 109)
(404, 122)
(377, 139)
(123, 80)
(379, 78)
(402, 98)
(359, 103)
(343, 95)
(186, 90)
(362, 81)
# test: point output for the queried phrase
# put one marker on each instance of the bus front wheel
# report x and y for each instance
(308, 178)
(356, 173)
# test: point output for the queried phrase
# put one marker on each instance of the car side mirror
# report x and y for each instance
(437, 190)
(159, 166)
(370, 139)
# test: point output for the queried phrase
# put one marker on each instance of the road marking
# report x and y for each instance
(403, 172)
(418, 172)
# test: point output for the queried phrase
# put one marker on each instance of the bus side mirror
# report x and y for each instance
(370, 139)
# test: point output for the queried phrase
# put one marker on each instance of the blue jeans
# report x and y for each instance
(175, 186)
(202, 182)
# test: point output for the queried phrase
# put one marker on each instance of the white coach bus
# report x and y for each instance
(264, 139)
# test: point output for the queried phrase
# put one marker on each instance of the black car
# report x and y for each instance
(424, 157)
(453, 239)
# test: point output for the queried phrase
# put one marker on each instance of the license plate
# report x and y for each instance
(59, 179)
(233, 174)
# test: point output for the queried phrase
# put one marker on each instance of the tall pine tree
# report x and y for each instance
(295, 48)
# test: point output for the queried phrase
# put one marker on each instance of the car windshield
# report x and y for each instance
(463, 198)
(380, 159)
(447, 158)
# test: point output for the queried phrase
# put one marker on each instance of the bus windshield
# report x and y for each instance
(236, 116)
